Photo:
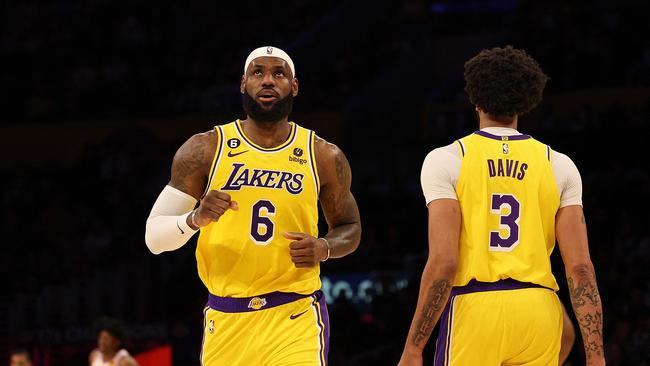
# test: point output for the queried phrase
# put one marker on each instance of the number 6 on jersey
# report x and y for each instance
(261, 224)
(507, 221)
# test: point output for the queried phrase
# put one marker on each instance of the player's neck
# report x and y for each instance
(486, 120)
(267, 134)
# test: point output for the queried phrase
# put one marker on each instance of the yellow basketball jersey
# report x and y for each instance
(508, 198)
(244, 253)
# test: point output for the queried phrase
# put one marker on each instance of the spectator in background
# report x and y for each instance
(111, 335)
(20, 357)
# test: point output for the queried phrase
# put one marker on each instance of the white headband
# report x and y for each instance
(268, 51)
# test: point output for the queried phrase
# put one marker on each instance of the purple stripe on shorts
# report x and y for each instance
(505, 284)
(205, 322)
(500, 138)
(254, 303)
(443, 343)
(443, 335)
(326, 323)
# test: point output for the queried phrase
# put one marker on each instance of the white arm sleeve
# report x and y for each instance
(167, 227)
(440, 172)
(568, 179)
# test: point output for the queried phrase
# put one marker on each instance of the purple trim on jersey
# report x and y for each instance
(313, 161)
(506, 284)
(216, 160)
(462, 148)
(442, 351)
(500, 138)
(548, 153)
(289, 141)
(242, 304)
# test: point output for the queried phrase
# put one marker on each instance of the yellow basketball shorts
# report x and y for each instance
(501, 323)
(277, 329)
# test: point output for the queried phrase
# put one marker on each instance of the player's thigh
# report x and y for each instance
(228, 338)
(472, 331)
(296, 333)
(301, 334)
(536, 321)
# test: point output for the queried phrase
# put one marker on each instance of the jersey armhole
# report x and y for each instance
(311, 141)
(215, 160)
(461, 148)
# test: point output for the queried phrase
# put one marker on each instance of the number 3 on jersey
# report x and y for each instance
(261, 224)
(508, 208)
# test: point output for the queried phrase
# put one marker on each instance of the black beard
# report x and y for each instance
(281, 109)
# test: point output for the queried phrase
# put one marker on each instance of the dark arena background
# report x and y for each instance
(97, 96)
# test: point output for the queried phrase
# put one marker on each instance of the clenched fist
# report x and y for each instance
(305, 250)
(212, 206)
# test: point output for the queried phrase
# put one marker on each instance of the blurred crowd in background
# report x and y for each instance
(390, 74)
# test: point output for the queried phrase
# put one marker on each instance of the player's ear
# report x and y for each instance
(294, 87)
(242, 84)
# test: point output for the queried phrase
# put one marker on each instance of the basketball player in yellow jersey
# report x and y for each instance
(497, 201)
(259, 182)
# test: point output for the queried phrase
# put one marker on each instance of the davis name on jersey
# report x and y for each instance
(506, 168)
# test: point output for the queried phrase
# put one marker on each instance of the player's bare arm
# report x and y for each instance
(339, 207)
(128, 361)
(190, 171)
(92, 356)
(437, 277)
(173, 219)
(191, 164)
(571, 232)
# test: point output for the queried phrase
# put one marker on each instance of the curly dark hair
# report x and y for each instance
(504, 82)
(22, 352)
(113, 326)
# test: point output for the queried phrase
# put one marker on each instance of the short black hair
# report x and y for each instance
(22, 352)
(504, 82)
(113, 326)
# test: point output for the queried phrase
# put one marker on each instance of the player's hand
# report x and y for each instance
(305, 250)
(211, 208)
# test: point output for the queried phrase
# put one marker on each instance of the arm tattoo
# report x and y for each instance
(333, 205)
(433, 305)
(189, 159)
(338, 204)
(587, 307)
(585, 292)
(342, 170)
(335, 198)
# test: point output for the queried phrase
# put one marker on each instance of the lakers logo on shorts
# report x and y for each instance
(257, 303)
